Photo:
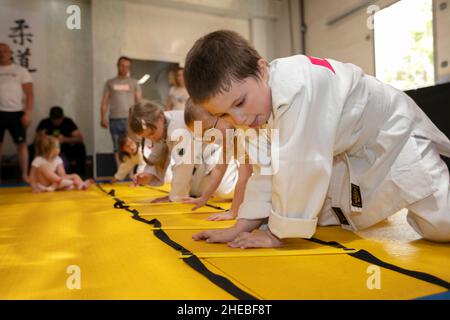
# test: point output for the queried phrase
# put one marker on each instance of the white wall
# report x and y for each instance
(351, 41)
(442, 40)
(62, 57)
(348, 40)
(156, 33)
(143, 31)
(74, 64)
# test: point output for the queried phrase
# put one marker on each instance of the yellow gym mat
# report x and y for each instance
(127, 248)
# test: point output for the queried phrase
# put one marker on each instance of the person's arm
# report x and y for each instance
(75, 137)
(124, 169)
(60, 171)
(214, 181)
(29, 97)
(41, 127)
(181, 182)
(245, 171)
(307, 125)
(104, 108)
(33, 180)
(137, 93)
(169, 105)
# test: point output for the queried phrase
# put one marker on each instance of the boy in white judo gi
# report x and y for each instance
(352, 150)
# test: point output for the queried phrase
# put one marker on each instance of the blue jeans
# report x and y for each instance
(118, 129)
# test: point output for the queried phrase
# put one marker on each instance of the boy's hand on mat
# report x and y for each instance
(197, 202)
(217, 236)
(227, 215)
(161, 200)
(256, 239)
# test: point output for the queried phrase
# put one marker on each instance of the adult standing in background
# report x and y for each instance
(119, 95)
(16, 105)
(178, 94)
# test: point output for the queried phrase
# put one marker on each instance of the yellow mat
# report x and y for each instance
(123, 258)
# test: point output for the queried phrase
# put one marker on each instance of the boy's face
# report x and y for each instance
(247, 102)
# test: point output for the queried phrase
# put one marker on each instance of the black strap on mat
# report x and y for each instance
(207, 205)
(195, 263)
(360, 254)
(370, 258)
(192, 260)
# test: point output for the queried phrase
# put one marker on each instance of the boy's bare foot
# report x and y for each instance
(229, 234)
(256, 239)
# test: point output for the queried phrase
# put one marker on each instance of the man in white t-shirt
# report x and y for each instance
(16, 104)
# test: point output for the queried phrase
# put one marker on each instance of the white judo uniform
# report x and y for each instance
(127, 165)
(190, 178)
(352, 151)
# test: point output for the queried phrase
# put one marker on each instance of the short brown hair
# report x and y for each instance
(216, 60)
(123, 58)
(193, 112)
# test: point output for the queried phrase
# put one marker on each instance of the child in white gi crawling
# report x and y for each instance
(191, 174)
(352, 150)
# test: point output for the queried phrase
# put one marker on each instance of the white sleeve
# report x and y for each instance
(257, 198)
(181, 181)
(307, 130)
(124, 168)
(25, 76)
(59, 161)
(37, 162)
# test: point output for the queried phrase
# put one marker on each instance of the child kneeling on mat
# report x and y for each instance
(193, 113)
(191, 173)
(132, 156)
(351, 150)
(47, 169)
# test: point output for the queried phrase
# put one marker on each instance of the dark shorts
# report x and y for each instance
(118, 129)
(12, 122)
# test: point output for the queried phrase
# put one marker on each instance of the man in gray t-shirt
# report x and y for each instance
(119, 95)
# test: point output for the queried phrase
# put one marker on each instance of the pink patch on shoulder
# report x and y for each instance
(321, 62)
